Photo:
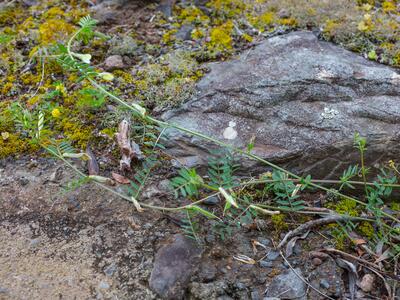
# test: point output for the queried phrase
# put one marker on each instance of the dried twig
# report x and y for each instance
(129, 150)
(366, 263)
(307, 226)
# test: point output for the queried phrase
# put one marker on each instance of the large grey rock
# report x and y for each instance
(303, 100)
(173, 267)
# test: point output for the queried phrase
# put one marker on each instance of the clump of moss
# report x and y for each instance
(54, 30)
(263, 21)
(366, 229)
(227, 8)
(347, 207)
(11, 144)
(193, 15)
(279, 223)
(221, 38)
(76, 132)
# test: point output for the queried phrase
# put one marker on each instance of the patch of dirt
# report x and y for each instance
(79, 245)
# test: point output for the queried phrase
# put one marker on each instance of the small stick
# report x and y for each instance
(307, 226)
(363, 261)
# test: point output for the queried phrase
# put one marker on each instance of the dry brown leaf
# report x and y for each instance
(358, 242)
(93, 166)
(119, 178)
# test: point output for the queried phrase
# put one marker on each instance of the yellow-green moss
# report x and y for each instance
(169, 36)
(13, 144)
(366, 229)
(192, 14)
(279, 223)
(76, 132)
(389, 6)
(54, 12)
(54, 30)
(227, 8)
(347, 207)
(221, 37)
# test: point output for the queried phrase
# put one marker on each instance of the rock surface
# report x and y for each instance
(327, 278)
(173, 267)
(288, 286)
(302, 99)
(114, 62)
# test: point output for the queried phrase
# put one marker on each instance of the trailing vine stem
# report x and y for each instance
(141, 113)
(184, 207)
(104, 186)
(321, 181)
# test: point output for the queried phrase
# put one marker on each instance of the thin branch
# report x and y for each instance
(314, 223)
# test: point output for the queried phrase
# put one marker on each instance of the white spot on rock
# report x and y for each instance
(230, 133)
(329, 113)
(324, 74)
(395, 78)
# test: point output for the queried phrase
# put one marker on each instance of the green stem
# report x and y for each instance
(363, 171)
(322, 181)
(215, 141)
(228, 146)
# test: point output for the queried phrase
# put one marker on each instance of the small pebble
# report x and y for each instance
(264, 241)
(104, 285)
(240, 286)
(316, 261)
(324, 284)
(34, 243)
(110, 270)
(266, 264)
(114, 62)
(367, 283)
(23, 181)
(211, 201)
(272, 255)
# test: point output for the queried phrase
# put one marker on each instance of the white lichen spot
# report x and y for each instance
(395, 78)
(230, 133)
(324, 74)
(329, 113)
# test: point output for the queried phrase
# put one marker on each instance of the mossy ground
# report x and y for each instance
(161, 75)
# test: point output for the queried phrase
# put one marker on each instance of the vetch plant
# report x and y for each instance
(285, 186)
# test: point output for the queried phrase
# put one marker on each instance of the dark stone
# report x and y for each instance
(173, 266)
(214, 200)
(110, 270)
(324, 284)
(266, 264)
(303, 99)
(185, 32)
(272, 255)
